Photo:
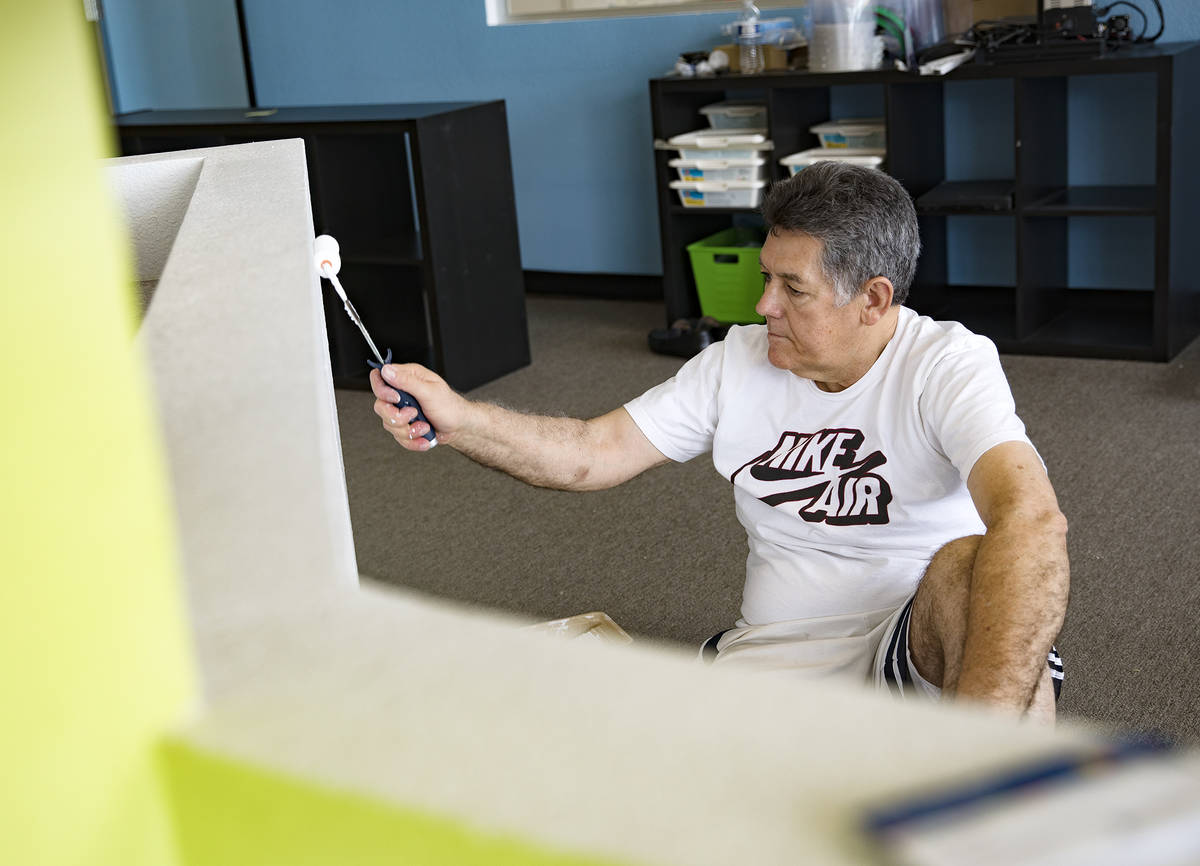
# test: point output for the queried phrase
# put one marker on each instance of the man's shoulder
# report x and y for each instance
(926, 341)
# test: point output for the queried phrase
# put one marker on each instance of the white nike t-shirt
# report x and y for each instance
(845, 496)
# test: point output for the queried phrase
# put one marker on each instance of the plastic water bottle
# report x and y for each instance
(750, 45)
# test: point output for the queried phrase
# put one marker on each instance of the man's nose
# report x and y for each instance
(768, 304)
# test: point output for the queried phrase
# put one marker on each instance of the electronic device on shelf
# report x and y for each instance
(1061, 30)
(1068, 19)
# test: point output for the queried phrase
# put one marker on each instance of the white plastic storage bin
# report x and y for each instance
(864, 133)
(797, 161)
(735, 114)
(721, 144)
(719, 169)
(713, 193)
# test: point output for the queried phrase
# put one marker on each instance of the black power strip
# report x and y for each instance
(1076, 22)
(1057, 34)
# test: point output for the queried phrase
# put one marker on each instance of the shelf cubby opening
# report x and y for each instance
(1087, 280)
(979, 130)
(382, 214)
(391, 303)
(914, 158)
(968, 197)
(1104, 322)
(682, 112)
(1116, 252)
(1111, 123)
(792, 112)
(987, 310)
(981, 250)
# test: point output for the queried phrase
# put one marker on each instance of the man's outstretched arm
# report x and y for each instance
(1020, 580)
(561, 453)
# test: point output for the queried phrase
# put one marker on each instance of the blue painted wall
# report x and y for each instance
(174, 54)
(576, 93)
(578, 108)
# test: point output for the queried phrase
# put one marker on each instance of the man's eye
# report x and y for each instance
(792, 290)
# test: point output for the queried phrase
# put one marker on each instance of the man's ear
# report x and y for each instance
(877, 299)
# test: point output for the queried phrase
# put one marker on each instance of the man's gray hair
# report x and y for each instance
(864, 219)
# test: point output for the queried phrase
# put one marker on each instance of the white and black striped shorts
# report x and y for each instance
(895, 670)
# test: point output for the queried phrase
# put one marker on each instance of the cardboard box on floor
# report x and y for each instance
(595, 626)
(961, 14)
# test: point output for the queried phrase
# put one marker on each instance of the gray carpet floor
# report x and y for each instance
(664, 556)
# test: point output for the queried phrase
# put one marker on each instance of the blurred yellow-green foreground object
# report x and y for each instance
(94, 655)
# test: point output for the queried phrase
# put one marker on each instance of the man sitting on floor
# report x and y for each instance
(902, 528)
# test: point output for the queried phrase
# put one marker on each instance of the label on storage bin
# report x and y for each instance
(736, 173)
(851, 133)
(732, 198)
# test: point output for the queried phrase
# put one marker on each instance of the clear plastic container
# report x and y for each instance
(853, 133)
(797, 162)
(719, 169)
(734, 114)
(720, 144)
(842, 37)
(711, 193)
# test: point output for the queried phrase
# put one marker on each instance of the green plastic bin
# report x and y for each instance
(728, 279)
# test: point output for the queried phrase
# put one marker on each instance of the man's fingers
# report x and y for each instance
(393, 415)
(380, 389)
(401, 423)
(409, 376)
(398, 422)
(395, 377)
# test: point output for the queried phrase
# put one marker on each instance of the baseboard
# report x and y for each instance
(620, 287)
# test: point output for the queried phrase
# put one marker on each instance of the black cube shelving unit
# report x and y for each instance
(420, 197)
(1042, 313)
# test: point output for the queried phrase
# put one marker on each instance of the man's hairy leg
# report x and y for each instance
(1043, 707)
(938, 628)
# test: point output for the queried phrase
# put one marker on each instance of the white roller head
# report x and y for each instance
(326, 254)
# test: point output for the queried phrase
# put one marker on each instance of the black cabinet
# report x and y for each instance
(420, 198)
(1034, 206)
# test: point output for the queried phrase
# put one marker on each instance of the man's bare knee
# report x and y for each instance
(957, 555)
(938, 628)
